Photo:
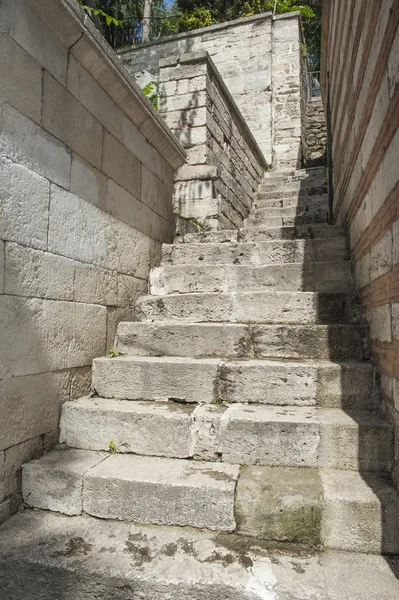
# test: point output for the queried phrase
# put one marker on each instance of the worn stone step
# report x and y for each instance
(313, 277)
(291, 199)
(275, 217)
(284, 383)
(200, 340)
(318, 230)
(258, 253)
(314, 231)
(291, 192)
(273, 436)
(133, 488)
(156, 378)
(146, 428)
(50, 557)
(361, 512)
(249, 307)
(306, 437)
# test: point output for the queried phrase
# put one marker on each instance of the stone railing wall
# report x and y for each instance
(242, 53)
(315, 139)
(225, 164)
(86, 183)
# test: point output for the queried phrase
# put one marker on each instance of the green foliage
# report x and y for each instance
(112, 449)
(109, 19)
(112, 353)
(153, 96)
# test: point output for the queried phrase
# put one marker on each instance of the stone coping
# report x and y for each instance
(77, 32)
(213, 28)
(201, 56)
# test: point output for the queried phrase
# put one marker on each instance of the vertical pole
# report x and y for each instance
(329, 155)
(146, 21)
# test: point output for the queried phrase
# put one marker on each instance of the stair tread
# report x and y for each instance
(250, 412)
(158, 561)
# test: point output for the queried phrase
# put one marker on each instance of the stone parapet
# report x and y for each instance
(225, 163)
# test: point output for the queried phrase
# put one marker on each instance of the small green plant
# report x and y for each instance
(153, 96)
(112, 449)
(197, 222)
(112, 352)
(96, 11)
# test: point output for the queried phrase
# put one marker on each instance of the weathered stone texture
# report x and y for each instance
(79, 231)
(219, 192)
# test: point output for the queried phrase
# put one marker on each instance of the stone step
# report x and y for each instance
(290, 192)
(276, 217)
(318, 230)
(243, 434)
(211, 380)
(361, 512)
(273, 252)
(313, 231)
(141, 489)
(312, 277)
(48, 556)
(238, 433)
(306, 437)
(230, 340)
(290, 200)
(249, 307)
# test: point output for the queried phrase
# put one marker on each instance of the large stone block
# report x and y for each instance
(280, 504)
(141, 378)
(129, 290)
(31, 406)
(268, 382)
(270, 436)
(124, 206)
(24, 142)
(24, 205)
(155, 194)
(55, 482)
(114, 246)
(162, 491)
(39, 40)
(38, 274)
(381, 256)
(146, 428)
(87, 182)
(21, 79)
(45, 335)
(121, 166)
(94, 285)
(65, 118)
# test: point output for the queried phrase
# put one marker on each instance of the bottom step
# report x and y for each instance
(80, 558)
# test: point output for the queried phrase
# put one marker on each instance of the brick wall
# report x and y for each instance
(86, 181)
(361, 53)
(225, 164)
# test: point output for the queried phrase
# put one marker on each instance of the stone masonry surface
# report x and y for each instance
(225, 164)
(81, 153)
(227, 411)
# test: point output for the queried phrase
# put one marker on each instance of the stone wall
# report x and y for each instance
(225, 164)
(361, 52)
(315, 138)
(242, 53)
(86, 180)
(288, 90)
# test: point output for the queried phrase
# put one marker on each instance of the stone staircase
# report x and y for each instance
(242, 400)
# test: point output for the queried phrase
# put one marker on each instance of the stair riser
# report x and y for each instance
(277, 217)
(260, 382)
(237, 341)
(261, 254)
(258, 307)
(290, 202)
(311, 277)
(267, 233)
(137, 489)
(273, 192)
(231, 435)
(360, 514)
(222, 237)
